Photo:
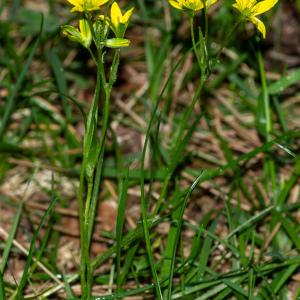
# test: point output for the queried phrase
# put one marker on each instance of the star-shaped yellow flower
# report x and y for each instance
(251, 8)
(86, 5)
(193, 5)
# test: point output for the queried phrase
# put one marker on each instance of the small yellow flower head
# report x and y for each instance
(86, 5)
(193, 5)
(251, 8)
(119, 22)
(82, 36)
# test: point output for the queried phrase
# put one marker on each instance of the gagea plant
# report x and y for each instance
(102, 27)
(183, 165)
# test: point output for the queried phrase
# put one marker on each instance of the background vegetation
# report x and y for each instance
(228, 192)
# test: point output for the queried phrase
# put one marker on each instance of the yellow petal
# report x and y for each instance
(115, 15)
(175, 4)
(86, 5)
(237, 6)
(210, 3)
(85, 32)
(263, 6)
(194, 5)
(243, 5)
(75, 2)
(199, 5)
(127, 15)
(260, 25)
(77, 8)
(101, 2)
(249, 3)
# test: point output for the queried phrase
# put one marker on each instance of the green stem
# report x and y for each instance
(88, 202)
(144, 211)
(266, 98)
(206, 25)
(93, 56)
(81, 225)
(101, 70)
(98, 175)
(227, 39)
(194, 42)
(107, 90)
(85, 217)
(97, 178)
(85, 246)
(96, 188)
(270, 167)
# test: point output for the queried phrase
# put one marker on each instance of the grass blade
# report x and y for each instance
(250, 222)
(25, 275)
(68, 289)
(235, 287)
(290, 229)
(12, 98)
(10, 239)
(119, 228)
(177, 233)
(2, 290)
(284, 82)
(61, 83)
(282, 277)
(205, 252)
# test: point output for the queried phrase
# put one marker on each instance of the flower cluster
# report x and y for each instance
(193, 5)
(98, 28)
(249, 9)
(86, 5)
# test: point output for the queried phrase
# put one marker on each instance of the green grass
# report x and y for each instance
(201, 168)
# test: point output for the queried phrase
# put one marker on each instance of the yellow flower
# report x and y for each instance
(251, 8)
(86, 5)
(194, 5)
(119, 22)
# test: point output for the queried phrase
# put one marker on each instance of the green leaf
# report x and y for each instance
(284, 82)
(25, 275)
(58, 70)
(68, 289)
(11, 237)
(30, 21)
(290, 229)
(2, 289)
(119, 227)
(205, 252)
(282, 277)
(14, 91)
